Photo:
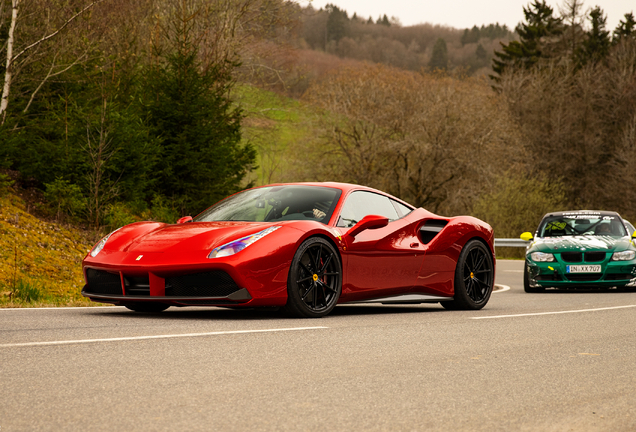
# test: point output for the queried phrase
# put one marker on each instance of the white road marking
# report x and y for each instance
(131, 338)
(501, 288)
(555, 313)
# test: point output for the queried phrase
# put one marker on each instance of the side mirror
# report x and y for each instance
(184, 219)
(368, 222)
(527, 236)
(634, 235)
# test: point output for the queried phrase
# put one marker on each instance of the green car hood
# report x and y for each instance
(577, 243)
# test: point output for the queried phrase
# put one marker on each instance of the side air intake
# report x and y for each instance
(430, 229)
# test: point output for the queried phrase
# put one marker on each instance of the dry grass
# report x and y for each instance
(40, 261)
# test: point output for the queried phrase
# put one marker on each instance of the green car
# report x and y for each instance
(580, 249)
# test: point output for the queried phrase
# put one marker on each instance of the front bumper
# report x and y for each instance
(180, 280)
(240, 296)
(203, 288)
(555, 275)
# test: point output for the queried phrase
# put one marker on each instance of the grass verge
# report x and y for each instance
(40, 261)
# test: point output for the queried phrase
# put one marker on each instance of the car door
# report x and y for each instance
(379, 261)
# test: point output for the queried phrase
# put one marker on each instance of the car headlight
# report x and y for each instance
(99, 246)
(542, 257)
(240, 244)
(624, 255)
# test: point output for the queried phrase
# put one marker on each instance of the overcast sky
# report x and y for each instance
(464, 13)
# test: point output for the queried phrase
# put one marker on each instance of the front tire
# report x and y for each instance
(148, 307)
(314, 283)
(474, 278)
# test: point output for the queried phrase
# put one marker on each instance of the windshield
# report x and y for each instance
(275, 203)
(582, 224)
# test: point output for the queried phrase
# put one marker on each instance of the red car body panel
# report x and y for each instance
(376, 263)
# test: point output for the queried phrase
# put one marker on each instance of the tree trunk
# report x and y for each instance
(4, 102)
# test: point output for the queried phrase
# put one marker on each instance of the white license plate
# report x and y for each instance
(583, 269)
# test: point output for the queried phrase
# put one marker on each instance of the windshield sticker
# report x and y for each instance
(587, 216)
(581, 214)
(556, 225)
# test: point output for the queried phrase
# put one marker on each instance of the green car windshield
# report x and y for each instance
(576, 225)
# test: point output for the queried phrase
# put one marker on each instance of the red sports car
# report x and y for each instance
(303, 246)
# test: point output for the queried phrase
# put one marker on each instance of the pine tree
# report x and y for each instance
(471, 36)
(535, 38)
(480, 52)
(626, 29)
(337, 23)
(202, 160)
(597, 43)
(439, 58)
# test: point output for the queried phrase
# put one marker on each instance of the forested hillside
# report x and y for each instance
(114, 111)
(424, 46)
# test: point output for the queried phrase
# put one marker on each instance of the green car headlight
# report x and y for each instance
(240, 244)
(627, 255)
(542, 257)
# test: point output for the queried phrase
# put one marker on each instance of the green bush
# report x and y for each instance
(64, 198)
(5, 183)
(118, 215)
(163, 211)
(26, 292)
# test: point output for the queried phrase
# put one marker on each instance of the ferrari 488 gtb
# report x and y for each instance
(304, 247)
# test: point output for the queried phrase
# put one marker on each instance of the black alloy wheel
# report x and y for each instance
(147, 307)
(315, 279)
(474, 278)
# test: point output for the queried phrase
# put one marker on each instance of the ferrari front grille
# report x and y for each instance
(137, 285)
(102, 282)
(210, 284)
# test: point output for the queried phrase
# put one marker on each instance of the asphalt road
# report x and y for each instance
(520, 364)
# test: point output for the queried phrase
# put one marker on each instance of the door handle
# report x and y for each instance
(414, 245)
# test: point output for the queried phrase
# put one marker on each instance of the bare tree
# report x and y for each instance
(433, 140)
(21, 51)
(573, 16)
(99, 148)
(578, 126)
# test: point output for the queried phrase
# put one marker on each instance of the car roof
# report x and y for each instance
(582, 213)
(345, 187)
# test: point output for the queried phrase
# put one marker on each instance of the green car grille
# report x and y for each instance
(576, 257)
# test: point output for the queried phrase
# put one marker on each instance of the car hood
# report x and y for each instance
(157, 237)
(577, 243)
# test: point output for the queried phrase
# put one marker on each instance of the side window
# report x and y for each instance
(404, 210)
(360, 204)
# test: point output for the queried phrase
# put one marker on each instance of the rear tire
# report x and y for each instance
(148, 307)
(474, 278)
